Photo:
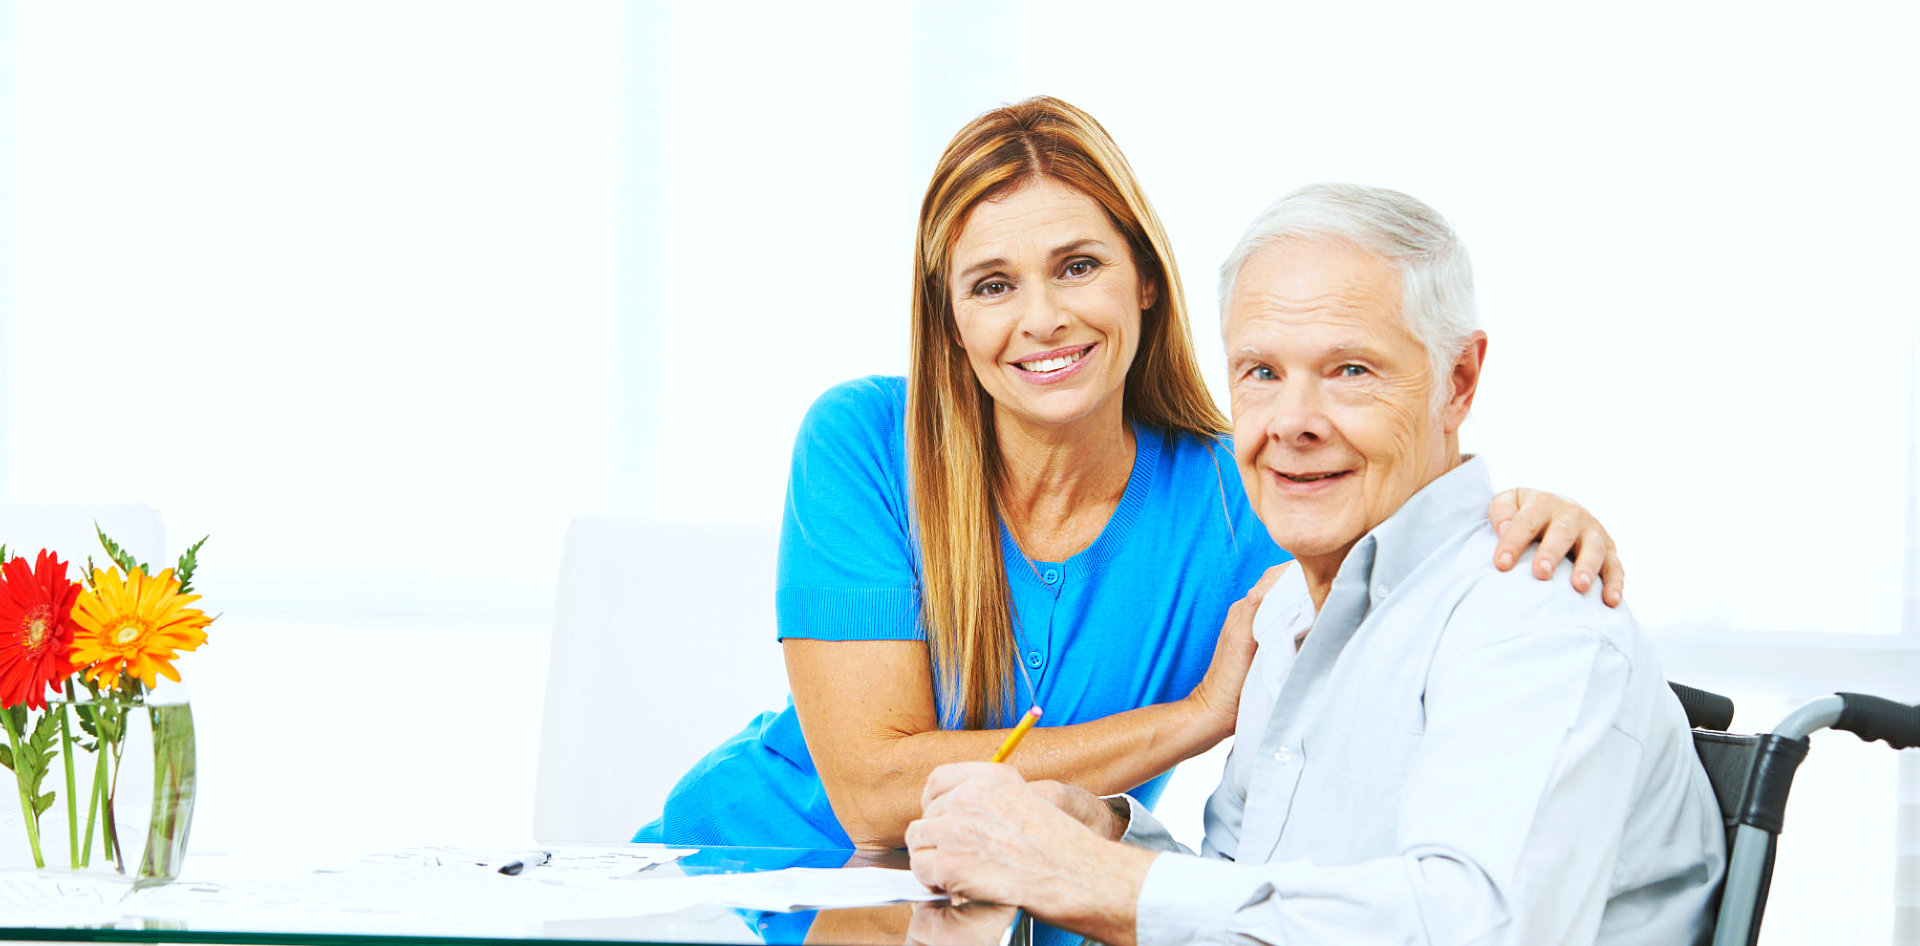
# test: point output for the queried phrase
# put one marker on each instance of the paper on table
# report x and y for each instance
(432, 888)
(206, 905)
(446, 900)
(563, 863)
(57, 898)
(480, 895)
(801, 888)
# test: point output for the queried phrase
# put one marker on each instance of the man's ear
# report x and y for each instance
(1464, 380)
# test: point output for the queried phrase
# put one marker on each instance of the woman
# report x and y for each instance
(1044, 511)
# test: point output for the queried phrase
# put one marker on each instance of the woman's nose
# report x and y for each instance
(1042, 315)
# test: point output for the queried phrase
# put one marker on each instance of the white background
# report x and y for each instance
(382, 294)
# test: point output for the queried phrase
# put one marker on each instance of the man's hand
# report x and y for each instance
(987, 835)
(968, 924)
(1086, 807)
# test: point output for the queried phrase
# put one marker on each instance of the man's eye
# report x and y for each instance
(1080, 267)
(1263, 373)
(1352, 371)
(988, 288)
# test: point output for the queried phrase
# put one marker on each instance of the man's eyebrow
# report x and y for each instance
(1356, 350)
(1339, 353)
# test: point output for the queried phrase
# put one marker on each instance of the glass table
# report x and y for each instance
(264, 921)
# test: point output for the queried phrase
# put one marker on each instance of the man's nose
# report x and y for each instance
(1299, 414)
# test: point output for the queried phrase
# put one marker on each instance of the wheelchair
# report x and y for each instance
(1751, 774)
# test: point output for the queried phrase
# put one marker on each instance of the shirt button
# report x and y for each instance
(1283, 755)
(1034, 659)
(1380, 590)
(1050, 576)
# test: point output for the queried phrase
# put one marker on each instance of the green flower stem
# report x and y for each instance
(93, 803)
(26, 803)
(66, 758)
(107, 825)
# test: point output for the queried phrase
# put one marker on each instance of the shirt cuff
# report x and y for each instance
(1190, 899)
(1143, 829)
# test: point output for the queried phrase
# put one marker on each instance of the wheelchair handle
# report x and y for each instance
(1704, 710)
(1873, 717)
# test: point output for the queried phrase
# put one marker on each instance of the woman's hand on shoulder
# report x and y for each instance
(1218, 694)
(1562, 527)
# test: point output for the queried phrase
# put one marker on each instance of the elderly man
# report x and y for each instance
(1429, 750)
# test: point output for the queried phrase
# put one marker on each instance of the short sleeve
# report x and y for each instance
(847, 568)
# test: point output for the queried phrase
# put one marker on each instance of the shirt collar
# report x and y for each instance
(1386, 556)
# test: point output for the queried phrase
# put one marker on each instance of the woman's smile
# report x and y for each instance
(1048, 367)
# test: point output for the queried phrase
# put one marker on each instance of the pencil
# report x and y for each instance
(1019, 733)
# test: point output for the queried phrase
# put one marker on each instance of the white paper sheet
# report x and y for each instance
(58, 898)
(399, 894)
(801, 888)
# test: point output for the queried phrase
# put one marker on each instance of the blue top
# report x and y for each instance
(1129, 621)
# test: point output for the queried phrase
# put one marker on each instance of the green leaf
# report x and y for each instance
(108, 723)
(19, 713)
(120, 556)
(48, 729)
(41, 804)
(3, 552)
(184, 571)
(6, 756)
(39, 748)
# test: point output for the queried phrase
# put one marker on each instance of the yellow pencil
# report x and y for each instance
(1019, 733)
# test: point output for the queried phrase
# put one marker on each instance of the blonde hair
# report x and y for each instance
(953, 461)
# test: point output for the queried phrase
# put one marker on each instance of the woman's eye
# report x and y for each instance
(1352, 371)
(989, 288)
(1080, 267)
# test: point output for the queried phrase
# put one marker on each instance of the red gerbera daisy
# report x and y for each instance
(36, 629)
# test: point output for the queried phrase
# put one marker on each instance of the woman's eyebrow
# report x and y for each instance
(1064, 249)
(984, 266)
(1076, 246)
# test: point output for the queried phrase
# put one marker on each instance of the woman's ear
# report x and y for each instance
(1149, 292)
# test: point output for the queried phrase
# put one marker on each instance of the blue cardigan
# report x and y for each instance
(1129, 621)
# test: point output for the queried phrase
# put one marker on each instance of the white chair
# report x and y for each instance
(68, 532)
(663, 645)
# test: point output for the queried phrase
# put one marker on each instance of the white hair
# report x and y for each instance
(1436, 279)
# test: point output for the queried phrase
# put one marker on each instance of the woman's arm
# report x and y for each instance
(868, 712)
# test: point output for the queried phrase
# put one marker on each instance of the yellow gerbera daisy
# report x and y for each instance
(135, 625)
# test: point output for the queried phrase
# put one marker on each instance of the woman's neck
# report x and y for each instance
(1059, 485)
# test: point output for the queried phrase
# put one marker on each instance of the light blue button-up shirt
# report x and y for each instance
(1454, 755)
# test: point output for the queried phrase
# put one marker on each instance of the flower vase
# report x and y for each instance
(142, 835)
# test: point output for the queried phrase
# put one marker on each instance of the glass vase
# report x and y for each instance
(148, 772)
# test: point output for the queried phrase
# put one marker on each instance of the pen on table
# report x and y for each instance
(534, 859)
(1019, 733)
